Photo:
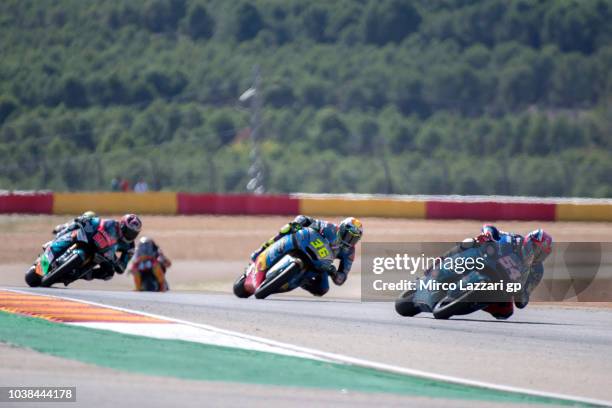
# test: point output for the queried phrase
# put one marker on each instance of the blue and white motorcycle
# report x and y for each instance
(304, 254)
(445, 292)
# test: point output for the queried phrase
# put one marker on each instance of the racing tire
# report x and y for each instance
(60, 273)
(32, 278)
(239, 289)
(462, 305)
(404, 306)
(149, 283)
(275, 284)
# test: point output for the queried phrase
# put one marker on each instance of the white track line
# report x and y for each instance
(339, 358)
(185, 332)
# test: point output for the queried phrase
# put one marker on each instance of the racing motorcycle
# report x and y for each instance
(72, 264)
(149, 274)
(501, 265)
(306, 253)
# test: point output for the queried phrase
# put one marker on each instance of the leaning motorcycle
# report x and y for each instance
(305, 254)
(501, 265)
(71, 264)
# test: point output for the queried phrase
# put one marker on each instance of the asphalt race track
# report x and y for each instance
(559, 348)
(547, 348)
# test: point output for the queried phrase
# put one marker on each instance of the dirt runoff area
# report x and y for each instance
(209, 252)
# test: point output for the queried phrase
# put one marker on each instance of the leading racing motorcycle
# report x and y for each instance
(305, 254)
(75, 262)
(471, 290)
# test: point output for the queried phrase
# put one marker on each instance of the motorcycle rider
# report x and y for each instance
(533, 249)
(342, 239)
(148, 251)
(111, 235)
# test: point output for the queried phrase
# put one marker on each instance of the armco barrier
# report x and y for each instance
(583, 212)
(26, 203)
(115, 203)
(362, 207)
(489, 210)
(424, 207)
(235, 204)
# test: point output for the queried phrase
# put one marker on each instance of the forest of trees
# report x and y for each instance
(365, 96)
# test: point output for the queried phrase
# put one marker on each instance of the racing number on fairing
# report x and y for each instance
(320, 247)
(513, 270)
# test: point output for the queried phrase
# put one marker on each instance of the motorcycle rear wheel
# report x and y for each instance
(149, 283)
(239, 289)
(404, 305)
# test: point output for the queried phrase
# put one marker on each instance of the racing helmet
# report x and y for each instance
(537, 245)
(146, 241)
(146, 245)
(89, 214)
(350, 231)
(491, 232)
(130, 227)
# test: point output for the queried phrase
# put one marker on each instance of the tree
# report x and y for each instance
(161, 15)
(280, 95)
(517, 87)
(7, 106)
(573, 25)
(390, 21)
(314, 93)
(223, 126)
(314, 21)
(330, 131)
(200, 24)
(536, 139)
(166, 83)
(572, 82)
(74, 93)
(248, 22)
(407, 94)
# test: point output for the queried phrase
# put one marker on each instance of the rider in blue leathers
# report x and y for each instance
(533, 250)
(110, 236)
(342, 239)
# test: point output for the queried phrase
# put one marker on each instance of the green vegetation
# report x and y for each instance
(368, 96)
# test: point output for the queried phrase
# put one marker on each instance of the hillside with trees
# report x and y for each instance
(365, 96)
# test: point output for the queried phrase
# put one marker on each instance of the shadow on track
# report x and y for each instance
(503, 321)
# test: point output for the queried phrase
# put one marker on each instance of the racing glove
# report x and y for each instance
(482, 238)
(337, 277)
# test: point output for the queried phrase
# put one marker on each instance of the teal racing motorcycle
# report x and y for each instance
(75, 261)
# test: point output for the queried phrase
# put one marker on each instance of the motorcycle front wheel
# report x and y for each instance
(32, 278)
(62, 271)
(462, 305)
